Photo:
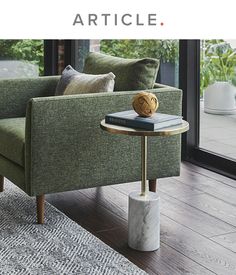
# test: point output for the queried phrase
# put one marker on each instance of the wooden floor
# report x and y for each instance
(198, 222)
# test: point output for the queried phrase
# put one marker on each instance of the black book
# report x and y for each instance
(132, 119)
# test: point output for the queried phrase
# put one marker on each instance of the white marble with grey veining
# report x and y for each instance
(144, 221)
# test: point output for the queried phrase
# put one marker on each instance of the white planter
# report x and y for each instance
(220, 98)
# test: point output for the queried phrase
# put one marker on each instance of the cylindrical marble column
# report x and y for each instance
(144, 221)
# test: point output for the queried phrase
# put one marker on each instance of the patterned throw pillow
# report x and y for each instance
(73, 82)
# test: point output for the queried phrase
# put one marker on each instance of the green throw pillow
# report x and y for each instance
(131, 74)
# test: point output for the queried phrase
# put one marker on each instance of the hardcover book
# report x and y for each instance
(132, 119)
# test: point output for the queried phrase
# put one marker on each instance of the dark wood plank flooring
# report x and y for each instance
(198, 221)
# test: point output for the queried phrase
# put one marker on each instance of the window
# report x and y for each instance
(21, 58)
(204, 142)
(218, 97)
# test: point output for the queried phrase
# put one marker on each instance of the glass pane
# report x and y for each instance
(167, 51)
(218, 97)
(21, 58)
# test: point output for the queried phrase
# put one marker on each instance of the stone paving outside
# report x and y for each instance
(218, 133)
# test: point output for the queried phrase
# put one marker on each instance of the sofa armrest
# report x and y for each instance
(67, 150)
(15, 93)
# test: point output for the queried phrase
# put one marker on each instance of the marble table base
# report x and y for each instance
(144, 221)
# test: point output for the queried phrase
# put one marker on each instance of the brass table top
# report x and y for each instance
(168, 131)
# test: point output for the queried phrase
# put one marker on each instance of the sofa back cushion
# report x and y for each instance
(73, 82)
(131, 74)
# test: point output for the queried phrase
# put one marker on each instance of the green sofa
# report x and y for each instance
(53, 143)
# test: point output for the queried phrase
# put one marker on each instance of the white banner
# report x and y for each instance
(106, 19)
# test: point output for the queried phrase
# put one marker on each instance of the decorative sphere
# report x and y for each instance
(145, 104)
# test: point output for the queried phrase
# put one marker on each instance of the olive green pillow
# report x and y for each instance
(131, 74)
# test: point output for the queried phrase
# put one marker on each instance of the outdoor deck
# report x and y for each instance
(218, 133)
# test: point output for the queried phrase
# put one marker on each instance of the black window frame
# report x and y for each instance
(50, 57)
(189, 82)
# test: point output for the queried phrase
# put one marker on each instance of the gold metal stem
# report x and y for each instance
(144, 189)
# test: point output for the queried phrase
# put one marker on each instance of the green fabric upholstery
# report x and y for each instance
(15, 93)
(13, 172)
(65, 149)
(131, 74)
(12, 139)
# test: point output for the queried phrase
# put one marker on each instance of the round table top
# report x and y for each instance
(168, 131)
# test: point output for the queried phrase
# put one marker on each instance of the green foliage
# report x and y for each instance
(165, 50)
(218, 63)
(27, 50)
(6, 48)
(234, 81)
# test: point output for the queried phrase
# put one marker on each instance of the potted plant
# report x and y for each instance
(219, 72)
(168, 54)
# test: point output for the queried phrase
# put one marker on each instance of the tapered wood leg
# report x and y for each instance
(40, 200)
(152, 185)
(1, 183)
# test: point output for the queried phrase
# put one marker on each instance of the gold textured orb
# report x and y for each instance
(145, 104)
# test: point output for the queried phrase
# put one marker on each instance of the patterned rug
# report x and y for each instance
(59, 247)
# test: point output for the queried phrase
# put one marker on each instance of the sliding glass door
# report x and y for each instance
(218, 97)
(208, 79)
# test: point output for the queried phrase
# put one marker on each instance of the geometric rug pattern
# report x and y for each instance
(59, 247)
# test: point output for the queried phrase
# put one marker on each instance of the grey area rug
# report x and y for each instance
(59, 247)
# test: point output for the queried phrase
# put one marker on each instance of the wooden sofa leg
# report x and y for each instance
(40, 200)
(1, 183)
(152, 185)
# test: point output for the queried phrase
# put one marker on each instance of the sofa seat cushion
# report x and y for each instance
(12, 139)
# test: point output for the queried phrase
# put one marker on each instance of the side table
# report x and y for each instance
(144, 210)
